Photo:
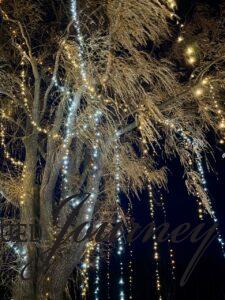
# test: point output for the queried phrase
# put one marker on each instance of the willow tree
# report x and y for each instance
(89, 103)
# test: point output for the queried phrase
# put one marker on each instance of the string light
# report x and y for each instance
(152, 213)
(25, 99)
(120, 246)
(195, 145)
(7, 155)
(155, 243)
(219, 113)
(72, 106)
(96, 117)
(204, 183)
(108, 272)
(76, 24)
(171, 251)
(130, 265)
(97, 271)
(85, 269)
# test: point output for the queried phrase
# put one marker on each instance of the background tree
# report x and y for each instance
(91, 103)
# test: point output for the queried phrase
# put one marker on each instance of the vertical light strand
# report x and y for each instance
(155, 243)
(66, 142)
(130, 264)
(171, 251)
(145, 153)
(108, 271)
(76, 24)
(198, 199)
(204, 183)
(195, 145)
(85, 270)
(97, 273)
(96, 117)
(120, 245)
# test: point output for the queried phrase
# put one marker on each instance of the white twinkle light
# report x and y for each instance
(120, 246)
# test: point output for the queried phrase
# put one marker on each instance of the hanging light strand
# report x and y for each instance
(120, 246)
(108, 271)
(85, 269)
(130, 264)
(145, 153)
(195, 145)
(171, 251)
(96, 118)
(155, 243)
(204, 183)
(7, 155)
(97, 273)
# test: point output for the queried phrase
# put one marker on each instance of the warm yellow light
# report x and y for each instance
(180, 39)
(198, 92)
(191, 60)
(205, 81)
(190, 51)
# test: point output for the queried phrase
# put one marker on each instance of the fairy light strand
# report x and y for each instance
(96, 118)
(130, 264)
(85, 266)
(7, 155)
(195, 145)
(108, 271)
(97, 273)
(120, 245)
(170, 248)
(156, 255)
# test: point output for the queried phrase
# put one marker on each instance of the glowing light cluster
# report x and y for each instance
(190, 55)
(22, 253)
(172, 4)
